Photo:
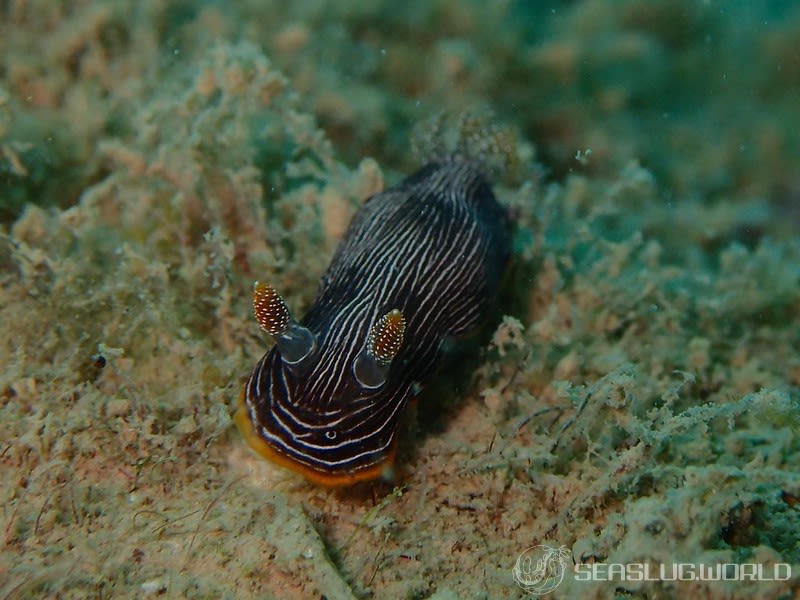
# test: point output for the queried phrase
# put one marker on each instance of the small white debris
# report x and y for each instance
(583, 156)
(154, 586)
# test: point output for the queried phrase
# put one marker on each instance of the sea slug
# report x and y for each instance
(420, 263)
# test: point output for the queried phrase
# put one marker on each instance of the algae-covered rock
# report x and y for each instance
(636, 400)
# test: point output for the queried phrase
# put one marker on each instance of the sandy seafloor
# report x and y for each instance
(639, 402)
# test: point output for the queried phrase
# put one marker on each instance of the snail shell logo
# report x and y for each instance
(540, 569)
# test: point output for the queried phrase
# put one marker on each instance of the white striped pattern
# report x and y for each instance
(433, 247)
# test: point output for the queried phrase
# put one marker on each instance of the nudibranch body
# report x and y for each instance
(420, 263)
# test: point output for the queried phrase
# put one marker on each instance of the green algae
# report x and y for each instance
(640, 403)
